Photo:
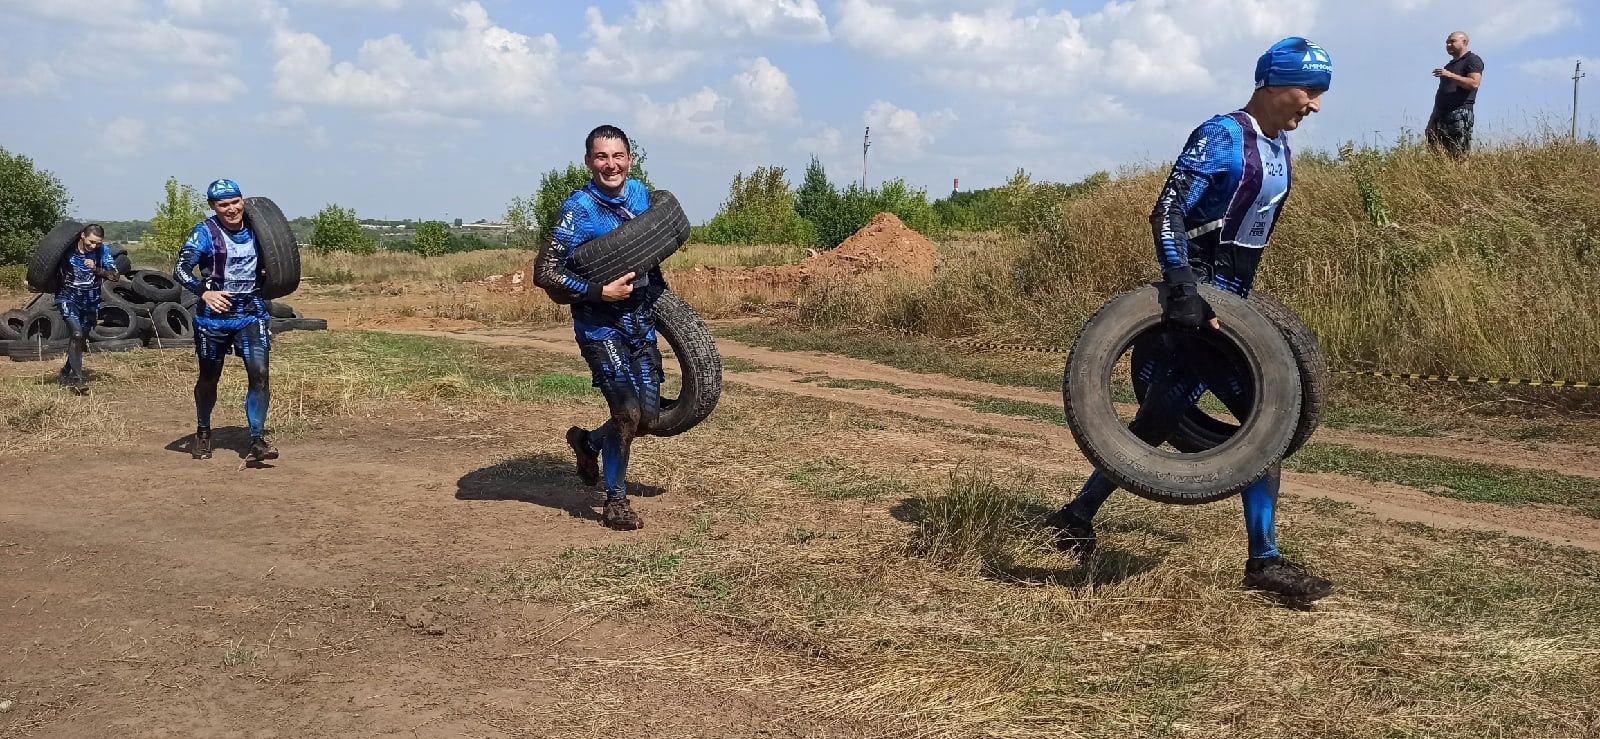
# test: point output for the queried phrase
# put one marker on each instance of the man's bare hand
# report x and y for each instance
(618, 289)
(1440, 72)
(1215, 324)
(218, 300)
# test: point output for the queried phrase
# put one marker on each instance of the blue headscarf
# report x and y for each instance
(1295, 62)
(223, 190)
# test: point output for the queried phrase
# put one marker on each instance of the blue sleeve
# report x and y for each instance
(550, 267)
(107, 262)
(195, 248)
(1205, 160)
(638, 197)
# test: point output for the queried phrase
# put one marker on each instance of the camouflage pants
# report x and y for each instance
(1451, 131)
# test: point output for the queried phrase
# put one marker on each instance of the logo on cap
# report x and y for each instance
(1316, 60)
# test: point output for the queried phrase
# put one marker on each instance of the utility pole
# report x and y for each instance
(866, 143)
(1577, 74)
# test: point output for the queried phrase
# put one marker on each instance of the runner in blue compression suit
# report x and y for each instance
(1211, 224)
(231, 317)
(85, 266)
(614, 323)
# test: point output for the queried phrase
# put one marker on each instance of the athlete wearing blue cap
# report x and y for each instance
(615, 323)
(231, 317)
(1211, 224)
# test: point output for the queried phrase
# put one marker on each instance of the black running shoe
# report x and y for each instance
(260, 451)
(620, 516)
(200, 448)
(588, 459)
(1073, 535)
(1285, 579)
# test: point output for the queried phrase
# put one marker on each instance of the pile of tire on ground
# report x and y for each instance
(147, 308)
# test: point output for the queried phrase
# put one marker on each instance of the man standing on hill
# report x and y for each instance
(1450, 126)
(1211, 224)
(615, 323)
(231, 317)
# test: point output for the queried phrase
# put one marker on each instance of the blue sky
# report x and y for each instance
(449, 108)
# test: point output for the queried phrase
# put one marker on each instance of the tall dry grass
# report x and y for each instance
(1485, 266)
(339, 268)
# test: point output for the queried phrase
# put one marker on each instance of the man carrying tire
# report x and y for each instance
(614, 323)
(85, 267)
(231, 317)
(1211, 224)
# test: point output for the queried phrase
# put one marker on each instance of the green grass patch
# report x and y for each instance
(1375, 420)
(1473, 481)
(736, 364)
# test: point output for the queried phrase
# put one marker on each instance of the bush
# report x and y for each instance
(32, 201)
(176, 216)
(759, 210)
(13, 276)
(337, 229)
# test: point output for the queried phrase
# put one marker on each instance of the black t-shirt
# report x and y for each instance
(1451, 95)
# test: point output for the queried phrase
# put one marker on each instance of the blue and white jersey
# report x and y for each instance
(228, 260)
(1222, 200)
(587, 215)
(78, 269)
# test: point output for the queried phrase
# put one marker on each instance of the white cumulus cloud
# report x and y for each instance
(35, 78)
(124, 136)
(898, 133)
(476, 66)
(662, 39)
(766, 91)
(219, 88)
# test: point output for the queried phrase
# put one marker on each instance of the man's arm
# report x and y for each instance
(106, 269)
(1471, 80)
(550, 267)
(196, 247)
(1204, 157)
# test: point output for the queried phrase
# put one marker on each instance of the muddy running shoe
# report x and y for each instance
(260, 451)
(200, 448)
(1073, 535)
(620, 516)
(588, 459)
(1285, 579)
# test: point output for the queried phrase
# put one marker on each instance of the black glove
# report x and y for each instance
(1184, 307)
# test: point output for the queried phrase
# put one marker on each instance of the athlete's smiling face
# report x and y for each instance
(230, 212)
(608, 161)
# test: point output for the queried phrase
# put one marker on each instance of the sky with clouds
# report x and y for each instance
(449, 108)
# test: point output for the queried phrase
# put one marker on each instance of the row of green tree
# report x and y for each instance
(762, 208)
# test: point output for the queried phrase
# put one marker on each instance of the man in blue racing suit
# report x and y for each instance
(86, 265)
(231, 317)
(614, 323)
(1211, 224)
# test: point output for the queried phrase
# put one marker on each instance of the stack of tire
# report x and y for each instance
(1270, 348)
(147, 307)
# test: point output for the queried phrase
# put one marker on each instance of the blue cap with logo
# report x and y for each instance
(223, 190)
(1295, 62)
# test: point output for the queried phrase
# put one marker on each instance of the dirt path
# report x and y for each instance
(148, 594)
(793, 373)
